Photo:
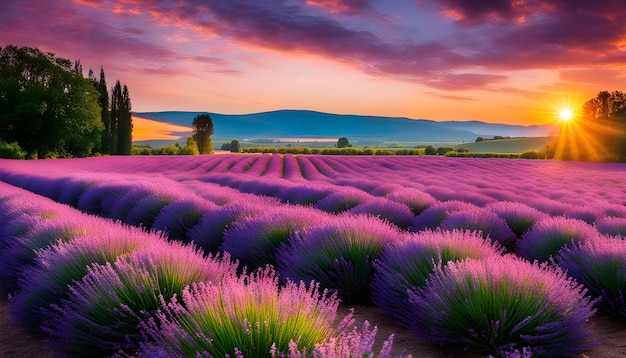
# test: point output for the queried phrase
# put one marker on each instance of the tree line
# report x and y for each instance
(48, 109)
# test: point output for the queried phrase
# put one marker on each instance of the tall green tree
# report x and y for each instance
(121, 122)
(203, 130)
(116, 113)
(46, 105)
(125, 125)
(342, 142)
(105, 114)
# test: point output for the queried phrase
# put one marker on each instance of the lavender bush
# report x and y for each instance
(519, 216)
(548, 236)
(407, 264)
(145, 211)
(98, 199)
(21, 252)
(387, 210)
(339, 255)
(415, 199)
(612, 226)
(600, 265)
(500, 303)
(254, 242)
(210, 230)
(181, 215)
(103, 311)
(304, 194)
(343, 199)
(122, 206)
(487, 222)
(47, 281)
(432, 217)
(248, 316)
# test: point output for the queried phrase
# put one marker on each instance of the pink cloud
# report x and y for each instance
(472, 51)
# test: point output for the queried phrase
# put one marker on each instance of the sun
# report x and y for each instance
(566, 115)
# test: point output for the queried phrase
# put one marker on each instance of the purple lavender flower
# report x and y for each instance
(304, 194)
(548, 236)
(589, 213)
(406, 265)
(145, 211)
(291, 168)
(490, 225)
(252, 317)
(415, 199)
(387, 210)
(21, 252)
(45, 283)
(345, 198)
(309, 170)
(209, 232)
(181, 215)
(338, 255)
(103, 311)
(254, 242)
(612, 226)
(274, 167)
(519, 216)
(257, 168)
(71, 190)
(600, 265)
(500, 303)
(432, 217)
(123, 205)
(98, 198)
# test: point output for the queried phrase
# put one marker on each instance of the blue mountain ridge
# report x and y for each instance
(364, 130)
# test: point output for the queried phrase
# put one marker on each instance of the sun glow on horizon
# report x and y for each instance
(566, 115)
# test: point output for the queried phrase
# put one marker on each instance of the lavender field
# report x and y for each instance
(252, 255)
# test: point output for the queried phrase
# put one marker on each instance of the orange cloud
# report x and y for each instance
(147, 129)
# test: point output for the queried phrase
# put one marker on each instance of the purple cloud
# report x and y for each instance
(472, 45)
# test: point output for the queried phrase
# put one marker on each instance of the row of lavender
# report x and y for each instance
(347, 266)
(98, 288)
(585, 191)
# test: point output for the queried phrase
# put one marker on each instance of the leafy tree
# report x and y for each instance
(430, 150)
(530, 154)
(190, 148)
(225, 146)
(46, 105)
(11, 150)
(235, 147)
(444, 150)
(167, 150)
(203, 130)
(480, 139)
(343, 142)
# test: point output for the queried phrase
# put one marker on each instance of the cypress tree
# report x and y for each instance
(116, 110)
(125, 125)
(121, 120)
(105, 115)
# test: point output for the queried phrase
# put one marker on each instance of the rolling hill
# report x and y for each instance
(310, 126)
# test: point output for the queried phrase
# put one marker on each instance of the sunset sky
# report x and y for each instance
(507, 61)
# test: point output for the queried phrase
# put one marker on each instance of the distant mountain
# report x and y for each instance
(361, 130)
